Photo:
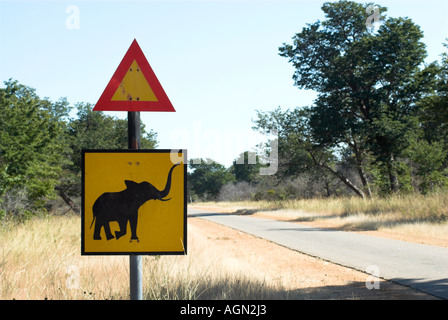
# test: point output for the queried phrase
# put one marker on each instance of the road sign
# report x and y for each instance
(134, 202)
(134, 86)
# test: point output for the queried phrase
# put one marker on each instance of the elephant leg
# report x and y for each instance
(123, 224)
(97, 230)
(133, 222)
(107, 230)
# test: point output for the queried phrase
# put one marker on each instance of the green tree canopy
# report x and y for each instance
(207, 178)
(246, 167)
(368, 82)
(96, 130)
(40, 145)
(31, 141)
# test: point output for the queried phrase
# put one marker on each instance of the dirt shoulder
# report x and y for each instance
(299, 273)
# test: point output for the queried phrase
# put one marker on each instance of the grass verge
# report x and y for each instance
(416, 215)
(40, 259)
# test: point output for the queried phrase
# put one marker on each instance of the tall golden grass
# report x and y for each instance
(416, 207)
(413, 214)
(41, 260)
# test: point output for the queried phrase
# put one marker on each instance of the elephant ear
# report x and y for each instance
(130, 184)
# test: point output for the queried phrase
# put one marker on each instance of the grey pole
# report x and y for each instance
(135, 261)
(135, 274)
(134, 130)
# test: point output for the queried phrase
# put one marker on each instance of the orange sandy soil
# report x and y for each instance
(300, 274)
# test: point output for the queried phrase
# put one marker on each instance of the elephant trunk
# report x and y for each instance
(166, 191)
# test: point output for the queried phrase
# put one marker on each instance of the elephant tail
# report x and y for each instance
(92, 222)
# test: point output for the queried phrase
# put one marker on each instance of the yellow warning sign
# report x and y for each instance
(134, 202)
(134, 86)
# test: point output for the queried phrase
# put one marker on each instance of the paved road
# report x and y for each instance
(419, 266)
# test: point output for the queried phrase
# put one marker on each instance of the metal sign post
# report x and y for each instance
(135, 261)
(135, 277)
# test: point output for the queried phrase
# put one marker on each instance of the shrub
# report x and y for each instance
(236, 191)
(14, 205)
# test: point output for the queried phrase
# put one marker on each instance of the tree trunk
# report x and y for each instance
(341, 177)
(67, 199)
(365, 183)
(359, 166)
(393, 179)
(346, 181)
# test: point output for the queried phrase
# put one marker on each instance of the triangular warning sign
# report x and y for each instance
(134, 86)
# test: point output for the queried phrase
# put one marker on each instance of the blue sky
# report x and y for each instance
(217, 60)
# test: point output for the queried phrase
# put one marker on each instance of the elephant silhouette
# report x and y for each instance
(123, 207)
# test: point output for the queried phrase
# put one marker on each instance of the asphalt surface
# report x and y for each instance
(419, 266)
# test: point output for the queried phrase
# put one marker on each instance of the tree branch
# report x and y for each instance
(67, 199)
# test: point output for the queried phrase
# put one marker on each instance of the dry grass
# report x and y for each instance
(414, 215)
(415, 206)
(41, 260)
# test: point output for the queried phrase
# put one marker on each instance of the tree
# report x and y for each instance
(298, 150)
(434, 107)
(207, 178)
(93, 130)
(96, 130)
(40, 146)
(428, 160)
(429, 154)
(368, 82)
(31, 142)
(246, 167)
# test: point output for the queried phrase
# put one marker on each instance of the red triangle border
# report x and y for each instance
(163, 104)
